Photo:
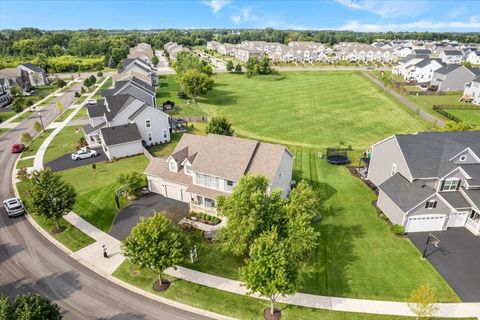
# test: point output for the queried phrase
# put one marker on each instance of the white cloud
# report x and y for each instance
(244, 15)
(216, 5)
(473, 24)
(386, 9)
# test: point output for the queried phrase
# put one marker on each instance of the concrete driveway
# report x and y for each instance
(145, 207)
(65, 162)
(457, 259)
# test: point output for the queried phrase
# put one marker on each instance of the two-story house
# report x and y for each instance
(142, 51)
(428, 181)
(37, 76)
(136, 68)
(453, 77)
(451, 56)
(5, 94)
(471, 91)
(201, 168)
(474, 57)
(422, 71)
(122, 123)
(17, 77)
(134, 87)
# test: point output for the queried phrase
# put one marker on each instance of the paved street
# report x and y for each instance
(30, 263)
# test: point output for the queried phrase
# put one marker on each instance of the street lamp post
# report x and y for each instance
(41, 121)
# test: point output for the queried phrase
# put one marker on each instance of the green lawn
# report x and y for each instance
(64, 142)
(48, 101)
(309, 109)
(24, 116)
(233, 305)
(81, 99)
(96, 189)
(3, 131)
(470, 116)
(164, 150)
(105, 86)
(25, 163)
(68, 87)
(64, 115)
(427, 102)
(71, 237)
(36, 143)
(168, 90)
(81, 114)
(357, 254)
(6, 115)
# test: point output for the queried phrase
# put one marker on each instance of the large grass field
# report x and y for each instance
(357, 254)
(470, 116)
(96, 188)
(310, 109)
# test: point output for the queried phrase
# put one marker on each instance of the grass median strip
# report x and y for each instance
(25, 163)
(71, 237)
(64, 115)
(36, 143)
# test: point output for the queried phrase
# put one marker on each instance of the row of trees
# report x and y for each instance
(257, 67)
(193, 74)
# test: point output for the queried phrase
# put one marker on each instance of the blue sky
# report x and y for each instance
(357, 15)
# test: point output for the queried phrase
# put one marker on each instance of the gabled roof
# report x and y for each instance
(427, 154)
(422, 51)
(127, 62)
(33, 67)
(473, 196)
(136, 82)
(404, 194)
(452, 52)
(446, 69)
(138, 112)
(89, 129)
(425, 62)
(120, 134)
(116, 104)
(455, 199)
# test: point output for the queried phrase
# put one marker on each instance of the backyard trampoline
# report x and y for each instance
(337, 156)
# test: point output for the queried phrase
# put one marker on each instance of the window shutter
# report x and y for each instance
(443, 184)
(434, 204)
(426, 204)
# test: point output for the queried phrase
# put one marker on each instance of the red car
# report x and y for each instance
(18, 147)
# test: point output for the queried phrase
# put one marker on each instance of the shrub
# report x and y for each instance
(77, 95)
(22, 174)
(397, 229)
(99, 74)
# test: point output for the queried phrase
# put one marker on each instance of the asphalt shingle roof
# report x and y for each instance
(33, 67)
(455, 199)
(138, 112)
(404, 194)
(120, 134)
(447, 69)
(452, 52)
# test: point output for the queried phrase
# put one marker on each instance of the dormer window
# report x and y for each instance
(451, 184)
(188, 169)
(173, 166)
(463, 157)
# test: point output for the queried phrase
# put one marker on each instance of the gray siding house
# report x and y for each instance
(428, 181)
(453, 77)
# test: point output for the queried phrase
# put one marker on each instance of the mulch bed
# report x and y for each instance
(277, 314)
(157, 286)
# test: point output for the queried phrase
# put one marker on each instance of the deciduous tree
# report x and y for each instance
(132, 181)
(423, 301)
(194, 83)
(270, 270)
(26, 138)
(35, 307)
(60, 107)
(155, 60)
(230, 67)
(51, 196)
(6, 310)
(155, 244)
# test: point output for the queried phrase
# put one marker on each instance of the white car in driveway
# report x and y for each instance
(14, 207)
(84, 153)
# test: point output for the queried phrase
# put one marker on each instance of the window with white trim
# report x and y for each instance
(431, 204)
(394, 169)
(463, 157)
(173, 166)
(147, 123)
(451, 184)
(188, 169)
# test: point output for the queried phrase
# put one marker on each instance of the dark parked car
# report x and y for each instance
(18, 147)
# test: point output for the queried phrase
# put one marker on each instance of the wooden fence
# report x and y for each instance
(442, 109)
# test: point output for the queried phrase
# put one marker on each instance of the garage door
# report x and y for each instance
(425, 222)
(156, 187)
(173, 193)
(457, 219)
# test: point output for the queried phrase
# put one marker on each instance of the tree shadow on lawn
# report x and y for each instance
(220, 97)
(325, 273)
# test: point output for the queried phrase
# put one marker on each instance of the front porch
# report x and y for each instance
(203, 204)
(473, 223)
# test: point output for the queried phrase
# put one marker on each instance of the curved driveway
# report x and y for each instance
(30, 263)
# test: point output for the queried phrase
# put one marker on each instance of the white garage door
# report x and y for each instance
(425, 222)
(173, 193)
(457, 219)
(156, 187)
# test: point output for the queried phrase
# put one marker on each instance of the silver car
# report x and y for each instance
(14, 207)
(84, 154)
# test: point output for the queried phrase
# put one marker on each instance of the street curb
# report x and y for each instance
(111, 278)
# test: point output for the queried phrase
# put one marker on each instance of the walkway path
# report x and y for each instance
(409, 103)
(92, 255)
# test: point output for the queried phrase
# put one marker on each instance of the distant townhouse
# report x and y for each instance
(426, 53)
(213, 45)
(136, 68)
(36, 75)
(142, 51)
(451, 56)
(17, 77)
(243, 54)
(173, 49)
(227, 49)
(201, 168)
(453, 77)
(5, 94)
(121, 124)
(474, 57)
(422, 71)
(428, 181)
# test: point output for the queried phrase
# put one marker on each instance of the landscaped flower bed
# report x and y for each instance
(204, 218)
